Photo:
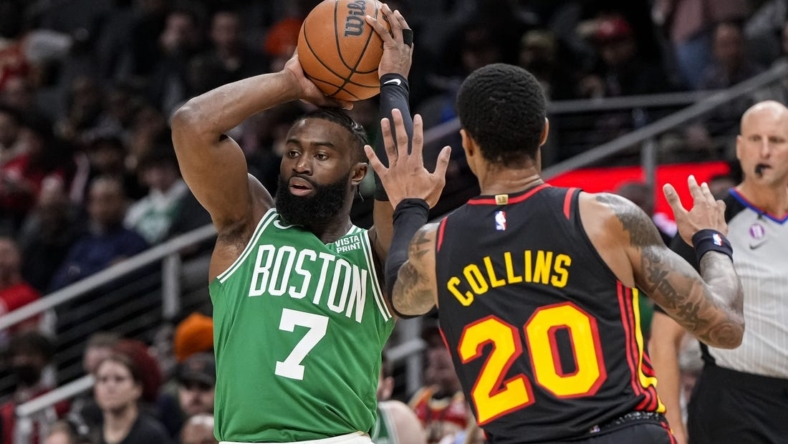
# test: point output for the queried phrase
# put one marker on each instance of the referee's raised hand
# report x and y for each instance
(406, 177)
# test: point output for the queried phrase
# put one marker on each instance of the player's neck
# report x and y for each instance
(331, 231)
(771, 199)
(508, 180)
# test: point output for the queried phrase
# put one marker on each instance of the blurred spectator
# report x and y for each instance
(150, 373)
(43, 157)
(192, 395)
(28, 356)
(621, 70)
(13, 62)
(107, 156)
(539, 54)
(14, 291)
(150, 21)
(440, 405)
(193, 335)
(730, 64)
(229, 59)
(153, 215)
(118, 389)
(100, 346)
(48, 233)
(281, 42)
(179, 43)
(199, 430)
(107, 241)
(84, 106)
(690, 24)
(62, 433)
(9, 134)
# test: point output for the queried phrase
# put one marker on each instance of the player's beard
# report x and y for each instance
(319, 208)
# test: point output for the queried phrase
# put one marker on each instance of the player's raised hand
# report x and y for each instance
(308, 91)
(406, 176)
(397, 44)
(706, 213)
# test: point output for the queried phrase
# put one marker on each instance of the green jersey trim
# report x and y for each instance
(258, 231)
(377, 294)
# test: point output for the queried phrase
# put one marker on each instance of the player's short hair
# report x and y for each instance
(502, 107)
(339, 117)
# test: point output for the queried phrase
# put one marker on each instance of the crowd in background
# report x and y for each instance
(88, 175)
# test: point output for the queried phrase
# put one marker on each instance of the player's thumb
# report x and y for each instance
(374, 162)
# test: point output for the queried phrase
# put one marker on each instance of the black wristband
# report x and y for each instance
(711, 240)
(409, 216)
(390, 80)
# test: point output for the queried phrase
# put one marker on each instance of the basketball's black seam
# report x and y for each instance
(336, 38)
(358, 62)
(335, 86)
(306, 40)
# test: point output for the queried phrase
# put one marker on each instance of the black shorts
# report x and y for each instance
(630, 429)
(734, 407)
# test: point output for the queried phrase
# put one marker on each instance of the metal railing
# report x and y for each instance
(411, 345)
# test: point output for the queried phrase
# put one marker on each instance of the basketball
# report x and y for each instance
(339, 51)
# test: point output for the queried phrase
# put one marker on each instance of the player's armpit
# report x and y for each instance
(709, 307)
(416, 290)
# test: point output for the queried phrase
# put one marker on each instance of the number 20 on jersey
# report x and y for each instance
(493, 397)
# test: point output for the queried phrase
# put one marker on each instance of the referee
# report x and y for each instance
(741, 395)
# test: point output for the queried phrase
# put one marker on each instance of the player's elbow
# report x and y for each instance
(727, 334)
(185, 118)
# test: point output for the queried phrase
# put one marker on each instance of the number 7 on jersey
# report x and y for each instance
(291, 367)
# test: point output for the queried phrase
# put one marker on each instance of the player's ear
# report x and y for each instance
(468, 144)
(359, 173)
(545, 132)
(739, 141)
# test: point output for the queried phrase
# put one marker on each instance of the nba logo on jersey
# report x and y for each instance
(717, 240)
(500, 221)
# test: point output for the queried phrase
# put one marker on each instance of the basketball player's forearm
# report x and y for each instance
(724, 289)
(394, 94)
(222, 109)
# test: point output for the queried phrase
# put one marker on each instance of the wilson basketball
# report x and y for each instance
(339, 51)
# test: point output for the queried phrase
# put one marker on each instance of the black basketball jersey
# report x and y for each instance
(545, 340)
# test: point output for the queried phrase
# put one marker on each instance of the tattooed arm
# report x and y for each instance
(416, 290)
(708, 305)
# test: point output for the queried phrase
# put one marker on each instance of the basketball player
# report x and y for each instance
(396, 423)
(537, 286)
(741, 395)
(299, 319)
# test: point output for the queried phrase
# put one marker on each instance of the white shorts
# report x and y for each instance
(350, 438)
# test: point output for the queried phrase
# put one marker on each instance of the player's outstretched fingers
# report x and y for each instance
(673, 200)
(400, 134)
(376, 164)
(418, 139)
(443, 162)
(394, 24)
(694, 188)
(388, 140)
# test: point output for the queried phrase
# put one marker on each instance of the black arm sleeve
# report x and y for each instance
(409, 217)
(394, 94)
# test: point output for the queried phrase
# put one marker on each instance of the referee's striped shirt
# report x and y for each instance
(760, 256)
